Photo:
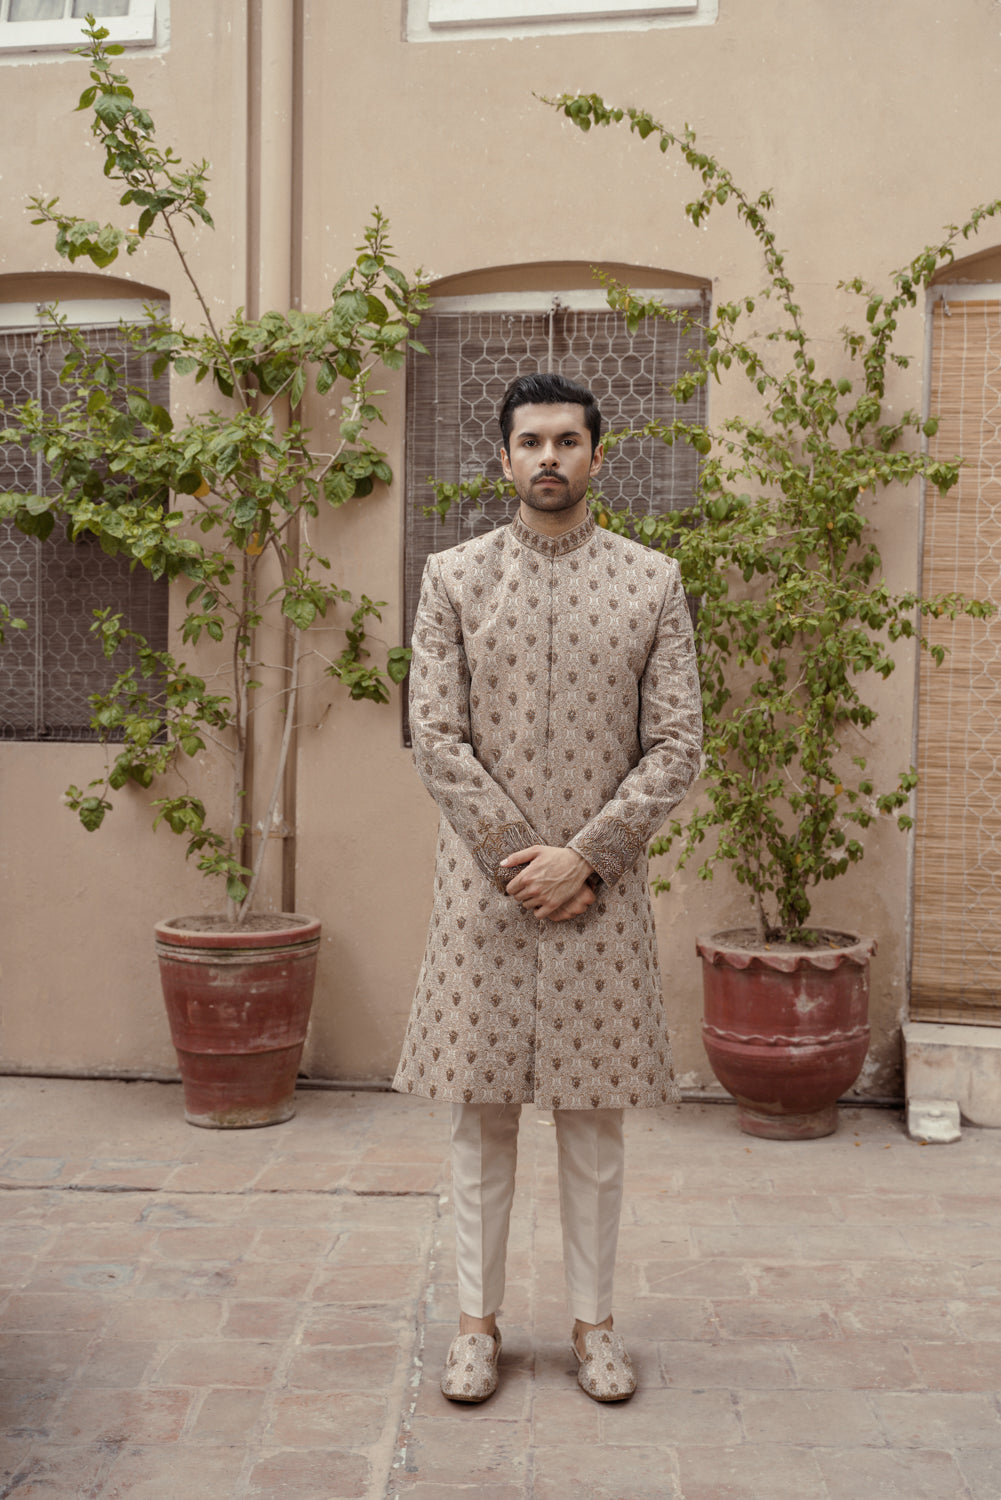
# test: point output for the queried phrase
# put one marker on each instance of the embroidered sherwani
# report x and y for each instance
(554, 700)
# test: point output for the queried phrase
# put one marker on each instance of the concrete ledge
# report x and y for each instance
(962, 1063)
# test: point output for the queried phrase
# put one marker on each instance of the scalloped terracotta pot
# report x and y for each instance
(786, 1028)
(238, 1003)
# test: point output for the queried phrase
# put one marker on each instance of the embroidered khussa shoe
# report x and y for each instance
(470, 1372)
(605, 1373)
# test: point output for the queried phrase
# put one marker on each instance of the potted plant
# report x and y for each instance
(794, 612)
(218, 499)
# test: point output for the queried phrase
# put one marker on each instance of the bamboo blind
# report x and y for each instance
(956, 968)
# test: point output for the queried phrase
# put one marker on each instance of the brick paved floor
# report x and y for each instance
(225, 1315)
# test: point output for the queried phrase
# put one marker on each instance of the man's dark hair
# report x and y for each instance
(548, 390)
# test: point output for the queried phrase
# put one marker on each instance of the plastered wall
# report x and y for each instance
(867, 122)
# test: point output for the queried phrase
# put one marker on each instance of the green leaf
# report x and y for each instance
(393, 333)
(160, 419)
(101, 257)
(337, 487)
(139, 406)
(227, 458)
(398, 662)
(35, 525)
(111, 109)
(302, 612)
(92, 811)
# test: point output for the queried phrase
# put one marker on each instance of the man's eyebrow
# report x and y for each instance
(569, 432)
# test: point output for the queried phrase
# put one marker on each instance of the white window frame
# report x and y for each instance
(584, 299)
(482, 12)
(138, 29)
(89, 312)
(460, 20)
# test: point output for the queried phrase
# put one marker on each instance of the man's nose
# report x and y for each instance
(550, 457)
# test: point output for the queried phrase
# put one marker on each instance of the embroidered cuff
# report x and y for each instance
(610, 847)
(496, 843)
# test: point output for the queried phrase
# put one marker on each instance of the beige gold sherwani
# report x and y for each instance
(554, 700)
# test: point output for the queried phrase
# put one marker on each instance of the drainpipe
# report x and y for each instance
(290, 789)
(269, 153)
(275, 31)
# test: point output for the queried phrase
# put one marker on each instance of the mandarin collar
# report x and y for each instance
(554, 546)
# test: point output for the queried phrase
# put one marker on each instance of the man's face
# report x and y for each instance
(550, 461)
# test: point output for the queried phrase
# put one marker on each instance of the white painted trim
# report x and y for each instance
(106, 312)
(490, 12)
(137, 29)
(482, 20)
(576, 301)
(965, 291)
(912, 802)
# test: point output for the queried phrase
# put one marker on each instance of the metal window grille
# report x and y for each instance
(476, 351)
(49, 671)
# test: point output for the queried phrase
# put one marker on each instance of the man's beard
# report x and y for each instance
(560, 495)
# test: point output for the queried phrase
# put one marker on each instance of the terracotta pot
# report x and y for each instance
(238, 1002)
(786, 1027)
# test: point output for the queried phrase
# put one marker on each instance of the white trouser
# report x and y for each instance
(589, 1144)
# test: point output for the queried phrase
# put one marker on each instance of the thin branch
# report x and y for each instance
(276, 787)
(220, 343)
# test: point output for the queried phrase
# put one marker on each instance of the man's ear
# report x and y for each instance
(505, 463)
(596, 458)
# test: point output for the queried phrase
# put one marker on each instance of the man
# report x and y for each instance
(555, 711)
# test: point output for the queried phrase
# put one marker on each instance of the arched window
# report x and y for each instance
(49, 670)
(543, 317)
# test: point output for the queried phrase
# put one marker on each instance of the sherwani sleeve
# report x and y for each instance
(479, 810)
(670, 738)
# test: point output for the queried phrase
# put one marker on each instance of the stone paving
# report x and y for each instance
(206, 1315)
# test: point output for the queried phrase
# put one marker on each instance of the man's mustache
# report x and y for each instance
(559, 479)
